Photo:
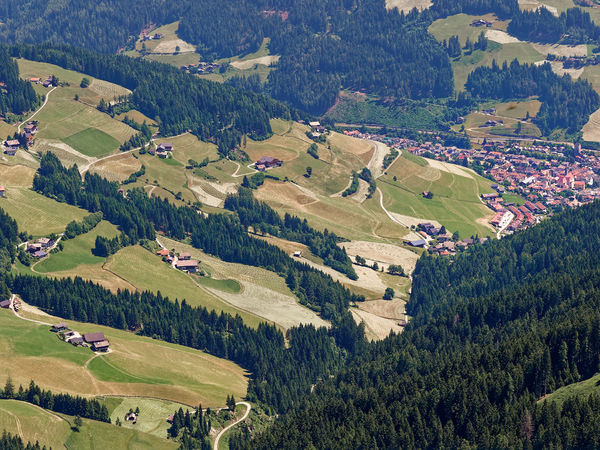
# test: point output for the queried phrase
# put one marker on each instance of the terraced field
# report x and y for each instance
(137, 365)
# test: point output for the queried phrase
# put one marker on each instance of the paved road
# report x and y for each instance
(224, 430)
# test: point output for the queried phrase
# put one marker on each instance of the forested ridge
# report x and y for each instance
(565, 103)
(178, 102)
(493, 333)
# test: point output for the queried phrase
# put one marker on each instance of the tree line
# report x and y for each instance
(565, 103)
(261, 217)
(61, 403)
(17, 96)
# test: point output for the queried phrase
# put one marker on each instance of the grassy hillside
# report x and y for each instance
(147, 272)
(94, 435)
(37, 214)
(583, 388)
(137, 365)
(77, 251)
(33, 424)
(455, 204)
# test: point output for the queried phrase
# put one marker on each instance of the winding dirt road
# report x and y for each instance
(224, 430)
(33, 115)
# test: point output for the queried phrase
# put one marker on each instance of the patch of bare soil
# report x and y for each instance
(171, 47)
(249, 63)
(382, 253)
(557, 68)
(408, 5)
(376, 328)
(591, 130)
(387, 309)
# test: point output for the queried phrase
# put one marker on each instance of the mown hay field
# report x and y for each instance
(148, 272)
(37, 214)
(137, 365)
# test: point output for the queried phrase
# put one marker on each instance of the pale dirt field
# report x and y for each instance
(501, 37)
(117, 168)
(273, 306)
(561, 50)
(382, 253)
(557, 68)
(376, 328)
(249, 63)
(408, 5)
(362, 192)
(591, 130)
(387, 309)
(534, 4)
(211, 194)
(16, 176)
(450, 168)
(367, 277)
(169, 47)
(376, 163)
(107, 89)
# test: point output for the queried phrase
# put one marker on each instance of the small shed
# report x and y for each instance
(59, 327)
(298, 254)
(418, 243)
(185, 256)
(2, 191)
(40, 254)
(4, 303)
(100, 346)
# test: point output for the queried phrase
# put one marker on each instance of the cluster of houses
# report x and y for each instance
(266, 162)
(437, 241)
(97, 341)
(575, 62)
(316, 129)
(12, 145)
(148, 37)
(183, 261)
(16, 304)
(541, 174)
(46, 83)
(164, 150)
(40, 247)
(201, 67)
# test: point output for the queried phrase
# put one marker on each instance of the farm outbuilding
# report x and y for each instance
(59, 327)
(4, 303)
(92, 338)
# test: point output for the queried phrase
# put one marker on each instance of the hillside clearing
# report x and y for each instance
(408, 5)
(376, 328)
(137, 365)
(558, 69)
(16, 175)
(148, 272)
(37, 214)
(171, 47)
(382, 253)
(249, 63)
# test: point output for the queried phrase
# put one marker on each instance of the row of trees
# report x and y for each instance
(62, 403)
(565, 103)
(257, 214)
